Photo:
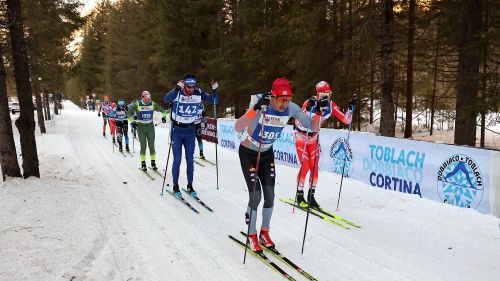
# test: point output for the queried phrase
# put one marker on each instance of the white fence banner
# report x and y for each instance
(446, 173)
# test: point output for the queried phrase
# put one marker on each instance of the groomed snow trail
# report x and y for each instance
(95, 216)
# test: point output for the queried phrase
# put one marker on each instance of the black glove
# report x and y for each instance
(98, 114)
(311, 102)
(264, 100)
(322, 104)
(134, 124)
(164, 119)
(353, 101)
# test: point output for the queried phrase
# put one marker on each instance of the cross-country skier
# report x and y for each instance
(133, 124)
(200, 117)
(104, 108)
(112, 121)
(309, 140)
(279, 110)
(186, 100)
(122, 125)
(144, 110)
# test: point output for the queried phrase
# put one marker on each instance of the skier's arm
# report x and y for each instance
(170, 96)
(244, 120)
(130, 111)
(157, 107)
(344, 118)
(213, 98)
(306, 121)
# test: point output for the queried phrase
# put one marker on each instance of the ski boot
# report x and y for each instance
(254, 243)
(265, 239)
(127, 148)
(176, 190)
(120, 147)
(191, 190)
(201, 155)
(311, 200)
(114, 140)
(300, 199)
(104, 134)
(143, 167)
(153, 165)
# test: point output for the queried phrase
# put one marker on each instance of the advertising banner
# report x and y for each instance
(449, 174)
(209, 132)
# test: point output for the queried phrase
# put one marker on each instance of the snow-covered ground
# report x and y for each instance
(94, 216)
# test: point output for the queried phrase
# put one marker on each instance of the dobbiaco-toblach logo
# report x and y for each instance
(341, 157)
(459, 181)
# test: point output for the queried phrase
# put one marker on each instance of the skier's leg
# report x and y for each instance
(177, 152)
(199, 139)
(313, 152)
(151, 142)
(267, 175)
(248, 160)
(303, 159)
(125, 131)
(142, 139)
(189, 141)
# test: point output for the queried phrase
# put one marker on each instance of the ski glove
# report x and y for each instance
(164, 120)
(215, 85)
(180, 85)
(353, 101)
(321, 105)
(264, 100)
(311, 102)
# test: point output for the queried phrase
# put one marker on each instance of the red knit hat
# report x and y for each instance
(281, 88)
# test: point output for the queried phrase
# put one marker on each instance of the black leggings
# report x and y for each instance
(266, 176)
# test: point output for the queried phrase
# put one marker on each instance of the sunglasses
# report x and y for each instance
(189, 87)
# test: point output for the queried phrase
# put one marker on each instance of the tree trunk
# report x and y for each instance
(372, 81)
(56, 104)
(409, 69)
(26, 121)
(469, 60)
(387, 123)
(47, 105)
(39, 112)
(434, 83)
(8, 153)
(484, 98)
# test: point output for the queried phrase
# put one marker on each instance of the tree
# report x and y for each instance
(469, 60)
(26, 121)
(8, 154)
(387, 122)
(409, 69)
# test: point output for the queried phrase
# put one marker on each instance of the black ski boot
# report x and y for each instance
(126, 148)
(153, 165)
(177, 191)
(191, 190)
(143, 166)
(120, 147)
(114, 141)
(311, 200)
(300, 199)
(201, 155)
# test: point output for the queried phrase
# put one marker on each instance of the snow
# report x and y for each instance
(94, 216)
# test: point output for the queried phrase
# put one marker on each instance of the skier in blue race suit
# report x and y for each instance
(186, 100)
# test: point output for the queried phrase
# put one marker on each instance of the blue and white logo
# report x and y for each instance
(341, 157)
(459, 182)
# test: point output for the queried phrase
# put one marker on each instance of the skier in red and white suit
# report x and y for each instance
(307, 144)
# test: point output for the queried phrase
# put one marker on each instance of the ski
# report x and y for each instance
(316, 213)
(199, 163)
(156, 171)
(205, 160)
(332, 215)
(130, 153)
(122, 153)
(146, 173)
(183, 201)
(284, 259)
(263, 258)
(198, 200)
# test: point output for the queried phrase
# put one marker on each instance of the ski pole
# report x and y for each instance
(311, 180)
(252, 199)
(216, 144)
(345, 158)
(170, 146)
